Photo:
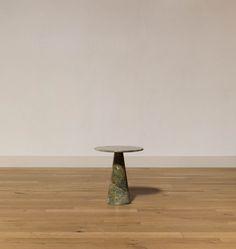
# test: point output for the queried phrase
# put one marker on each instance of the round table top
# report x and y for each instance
(119, 148)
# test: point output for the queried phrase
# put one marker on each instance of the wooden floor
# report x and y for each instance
(65, 208)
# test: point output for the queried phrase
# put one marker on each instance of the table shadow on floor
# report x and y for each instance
(142, 190)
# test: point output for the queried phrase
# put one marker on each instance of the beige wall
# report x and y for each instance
(75, 74)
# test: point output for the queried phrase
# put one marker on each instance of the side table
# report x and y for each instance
(118, 193)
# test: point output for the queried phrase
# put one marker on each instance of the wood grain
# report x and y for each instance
(61, 208)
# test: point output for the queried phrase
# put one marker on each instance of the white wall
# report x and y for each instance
(75, 74)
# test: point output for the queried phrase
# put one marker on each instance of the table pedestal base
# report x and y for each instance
(118, 193)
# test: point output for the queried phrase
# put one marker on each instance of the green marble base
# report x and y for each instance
(118, 193)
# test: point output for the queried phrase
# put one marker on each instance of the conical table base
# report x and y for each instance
(118, 193)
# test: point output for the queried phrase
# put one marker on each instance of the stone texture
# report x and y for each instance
(118, 193)
(119, 148)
